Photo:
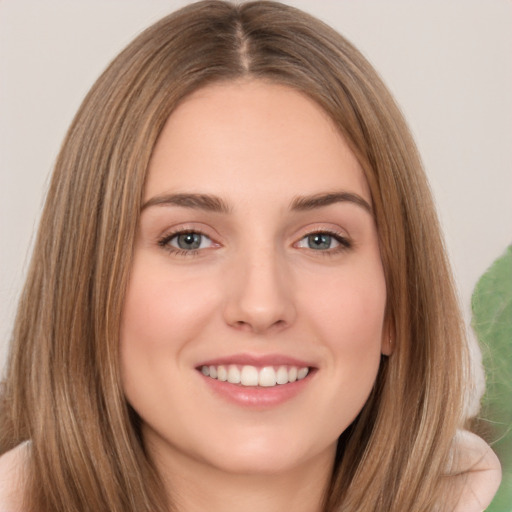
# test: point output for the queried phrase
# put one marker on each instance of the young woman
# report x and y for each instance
(239, 298)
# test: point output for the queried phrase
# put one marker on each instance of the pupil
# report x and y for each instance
(319, 241)
(189, 241)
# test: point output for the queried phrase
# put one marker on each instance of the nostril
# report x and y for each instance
(257, 327)
(241, 325)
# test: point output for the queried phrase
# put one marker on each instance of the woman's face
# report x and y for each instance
(256, 260)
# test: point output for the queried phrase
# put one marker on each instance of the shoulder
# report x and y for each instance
(12, 472)
(476, 471)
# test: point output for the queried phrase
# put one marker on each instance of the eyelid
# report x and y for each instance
(345, 242)
(164, 240)
(321, 227)
(176, 237)
(304, 240)
(188, 227)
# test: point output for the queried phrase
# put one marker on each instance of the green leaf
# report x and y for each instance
(492, 322)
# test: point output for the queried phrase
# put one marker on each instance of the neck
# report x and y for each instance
(195, 487)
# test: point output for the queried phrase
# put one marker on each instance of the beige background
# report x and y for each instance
(446, 61)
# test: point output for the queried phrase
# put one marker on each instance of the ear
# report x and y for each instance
(388, 337)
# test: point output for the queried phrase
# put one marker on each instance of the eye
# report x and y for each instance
(186, 242)
(324, 241)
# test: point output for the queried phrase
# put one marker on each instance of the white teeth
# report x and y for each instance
(282, 375)
(249, 375)
(233, 374)
(222, 373)
(267, 377)
(302, 373)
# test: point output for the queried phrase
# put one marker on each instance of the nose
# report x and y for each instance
(260, 294)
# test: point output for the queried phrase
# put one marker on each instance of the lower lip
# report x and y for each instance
(256, 396)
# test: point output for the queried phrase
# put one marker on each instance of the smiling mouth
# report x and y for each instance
(248, 375)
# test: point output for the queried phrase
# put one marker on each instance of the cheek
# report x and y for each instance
(350, 309)
(161, 307)
(349, 321)
(163, 315)
(346, 317)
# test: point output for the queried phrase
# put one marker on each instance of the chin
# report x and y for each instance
(268, 455)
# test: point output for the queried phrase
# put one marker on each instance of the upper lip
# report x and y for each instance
(258, 360)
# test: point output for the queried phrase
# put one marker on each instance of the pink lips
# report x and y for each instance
(256, 360)
(255, 396)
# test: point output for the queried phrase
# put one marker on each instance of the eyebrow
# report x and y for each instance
(215, 204)
(304, 203)
(198, 201)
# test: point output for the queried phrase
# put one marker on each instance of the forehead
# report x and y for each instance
(260, 134)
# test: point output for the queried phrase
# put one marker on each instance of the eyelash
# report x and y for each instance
(164, 242)
(344, 243)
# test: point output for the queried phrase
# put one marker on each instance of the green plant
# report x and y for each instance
(492, 322)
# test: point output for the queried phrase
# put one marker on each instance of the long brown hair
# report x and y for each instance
(63, 389)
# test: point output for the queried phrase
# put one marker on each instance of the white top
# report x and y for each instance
(478, 484)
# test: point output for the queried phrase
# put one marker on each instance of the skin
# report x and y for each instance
(255, 286)
(476, 470)
(256, 289)
(477, 473)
